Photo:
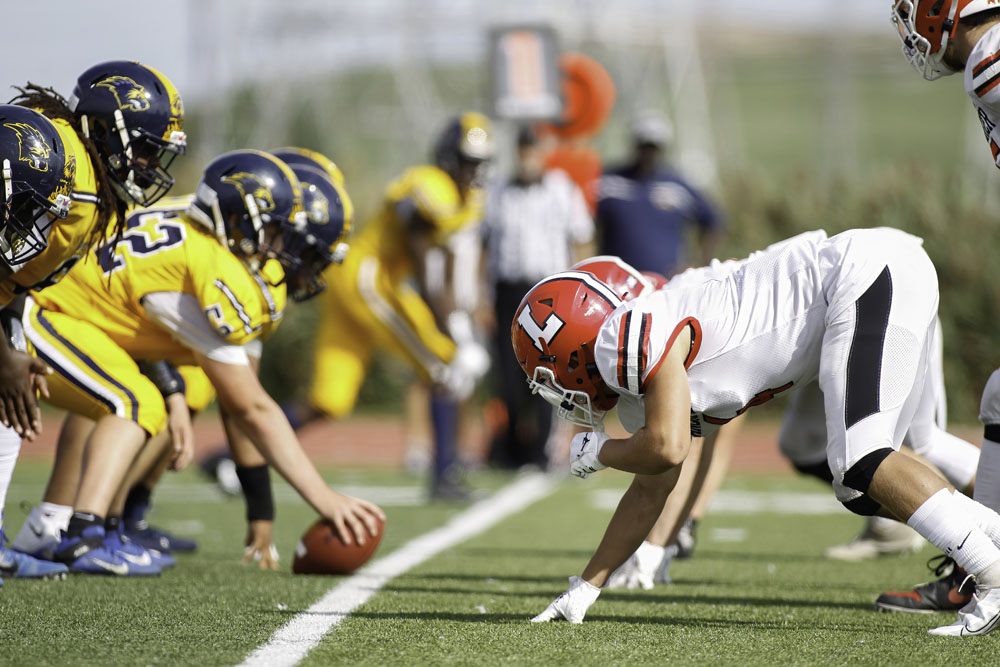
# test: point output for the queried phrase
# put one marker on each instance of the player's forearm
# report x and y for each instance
(268, 429)
(242, 448)
(647, 452)
(637, 512)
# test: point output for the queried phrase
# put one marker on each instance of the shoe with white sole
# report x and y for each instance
(881, 537)
(87, 554)
(979, 617)
(16, 565)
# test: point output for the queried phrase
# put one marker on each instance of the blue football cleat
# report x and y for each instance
(150, 537)
(17, 565)
(87, 554)
(136, 555)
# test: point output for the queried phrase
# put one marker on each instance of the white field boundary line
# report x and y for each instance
(293, 641)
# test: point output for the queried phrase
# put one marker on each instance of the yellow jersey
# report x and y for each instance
(432, 193)
(163, 250)
(67, 239)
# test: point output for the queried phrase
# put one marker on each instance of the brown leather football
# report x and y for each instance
(321, 551)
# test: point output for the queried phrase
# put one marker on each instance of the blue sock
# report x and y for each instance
(293, 416)
(444, 419)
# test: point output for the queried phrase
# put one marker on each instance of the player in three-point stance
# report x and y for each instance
(853, 312)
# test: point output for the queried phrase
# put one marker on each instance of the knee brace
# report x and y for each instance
(819, 470)
(859, 476)
(863, 505)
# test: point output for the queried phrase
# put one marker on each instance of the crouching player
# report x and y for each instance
(181, 285)
(306, 253)
(682, 361)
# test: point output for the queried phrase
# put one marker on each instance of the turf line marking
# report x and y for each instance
(293, 641)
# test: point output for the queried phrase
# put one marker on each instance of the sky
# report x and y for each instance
(203, 45)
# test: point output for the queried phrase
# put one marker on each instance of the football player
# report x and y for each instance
(38, 169)
(181, 284)
(305, 255)
(83, 124)
(370, 304)
(802, 441)
(939, 38)
(124, 125)
(682, 361)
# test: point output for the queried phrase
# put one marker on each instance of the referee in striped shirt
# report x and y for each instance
(536, 224)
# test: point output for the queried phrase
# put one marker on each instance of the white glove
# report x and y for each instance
(640, 569)
(583, 453)
(470, 363)
(472, 358)
(571, 605)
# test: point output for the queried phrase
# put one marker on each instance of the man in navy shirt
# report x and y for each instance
(643, 208)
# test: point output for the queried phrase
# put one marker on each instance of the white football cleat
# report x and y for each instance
(979, 617)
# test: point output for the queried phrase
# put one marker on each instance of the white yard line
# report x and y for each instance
(293, 641)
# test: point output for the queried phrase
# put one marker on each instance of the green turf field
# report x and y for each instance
(757, 591)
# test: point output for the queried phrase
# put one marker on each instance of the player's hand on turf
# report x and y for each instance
(181, 431)
(355, 519)
(640, 568)
(571, 605)
(583, 453)
(260, 545)
(21, 375)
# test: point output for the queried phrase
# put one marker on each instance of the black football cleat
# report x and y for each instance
(950, 592)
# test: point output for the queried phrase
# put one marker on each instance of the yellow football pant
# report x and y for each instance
(93, 375)
(364, 309)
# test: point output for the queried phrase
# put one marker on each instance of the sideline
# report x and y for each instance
(293, 641)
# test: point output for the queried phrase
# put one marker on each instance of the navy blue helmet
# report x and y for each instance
(245, 194)
(38, 171)
(135, 117)
(307, 251)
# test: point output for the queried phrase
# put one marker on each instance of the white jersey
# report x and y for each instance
(756, 325)
(982, 83)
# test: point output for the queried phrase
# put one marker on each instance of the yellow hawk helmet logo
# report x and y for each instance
(319, 206)
(129, 94)
(250, 184)
(33, 148)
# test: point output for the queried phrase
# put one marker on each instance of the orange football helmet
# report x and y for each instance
(926, 26)
(554, 334)
(624, 279)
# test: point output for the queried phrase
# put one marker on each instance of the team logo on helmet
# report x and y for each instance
(129, 94)
(319, 207)
(33, 148)
(537, 334)
(250, 184)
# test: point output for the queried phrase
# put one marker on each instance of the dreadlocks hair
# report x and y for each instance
(111, 209)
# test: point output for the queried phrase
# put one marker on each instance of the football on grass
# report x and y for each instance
(321, 551)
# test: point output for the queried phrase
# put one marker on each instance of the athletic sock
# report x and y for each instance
(137, 503)
(80, 521)
(943, 521)
(10, 446)
(987, 520)
(444, 420)
(50, 514)
(111, 524)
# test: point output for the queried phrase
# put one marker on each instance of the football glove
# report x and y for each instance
(583, 453)
(571, 605)
(640, 569)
